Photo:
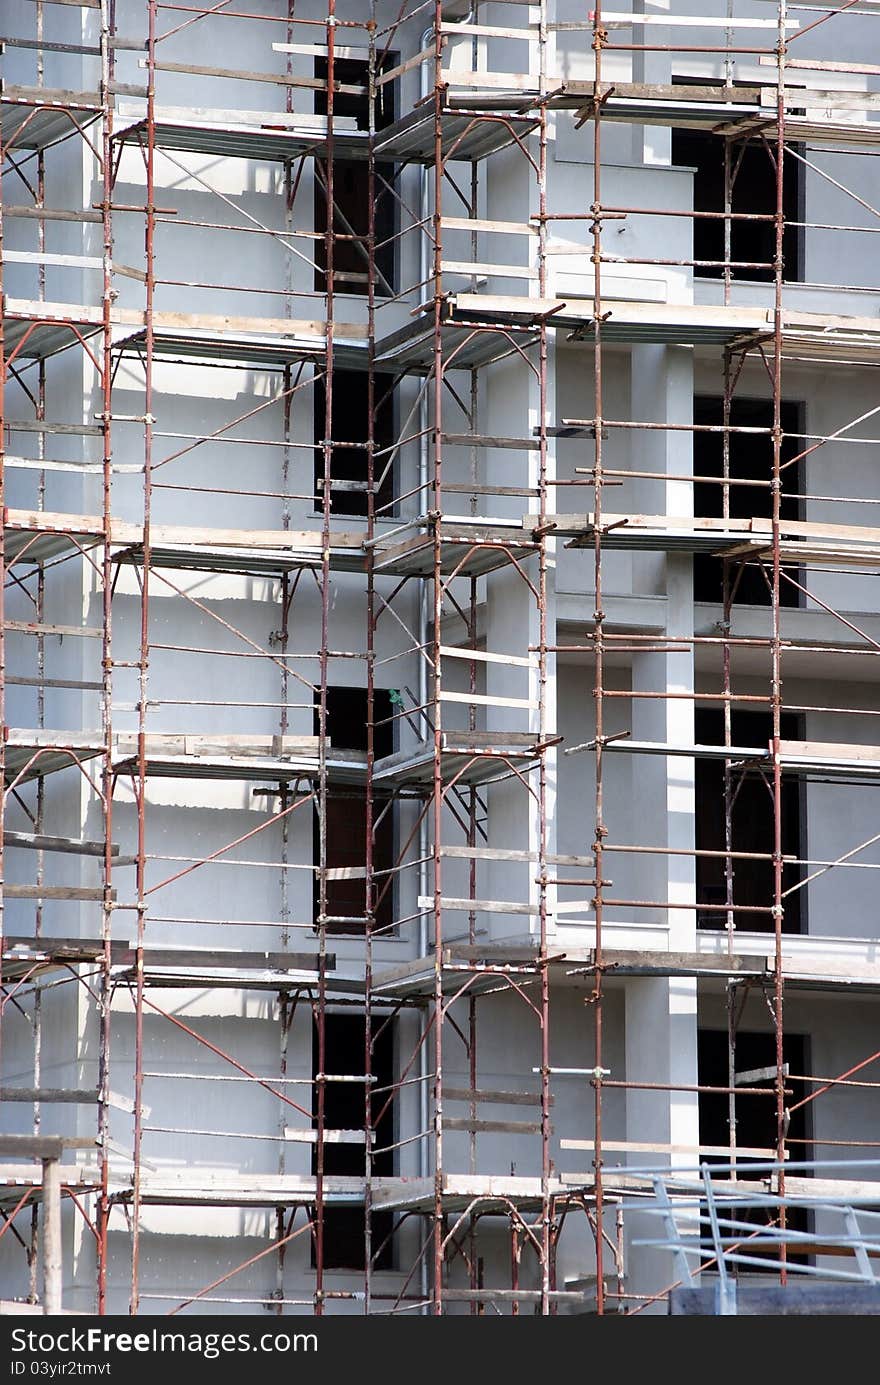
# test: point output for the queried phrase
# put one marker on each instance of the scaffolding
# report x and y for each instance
(101, 465)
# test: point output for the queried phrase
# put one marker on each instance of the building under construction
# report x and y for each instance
(441, 560)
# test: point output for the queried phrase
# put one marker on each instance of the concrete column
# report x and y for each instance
(513, 620)
(513, 624)
(651, 143)
(661, 1014)
(543, 723)
(51, 1236)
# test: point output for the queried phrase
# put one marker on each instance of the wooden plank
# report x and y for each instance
(331, 1137)
(487, 440)
(247, 1182)
(75, 1175)
(470, 268)
(209, 323)
(500, 228)
(53, 522)
(580, 522)
(81, 468)
(618, 20)
(30, 738)
(490, 1127)
(478, 906)
(480, 1094)
(493, 954)
(261, 326)
(669, 91)
(825, 322)
(78, 684)
(319, 50)
(576, 311)
(201, 959)
(52, 96)
(426, 55)
(518, 1295)
(284, 122)
(69, 948)
(491, 31)
(129, 272)
(505, 304)
(180, 536)
(33, 425)
(487, 853)
(822, 65)
(460, 488)
(69, 1095)
(34, 1146)
(555, 859)
(491, 740)
(36, 627)
(128, 88)
(753, 1075)
(83, 893)
(42, 841)
(52, 312)
(683, 963)
(487, 700)
(483, 656)
(640, 1147)
(50, 258)
(181, 743)
(494, 853)
(51, 214)
(275, 79)
(500, 81)
(825, 99)
(827, 750)
(647, 962)
(120, 1102)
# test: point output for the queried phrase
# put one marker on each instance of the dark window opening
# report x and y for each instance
(344, 1109)
(752, 826)
(346, 819)
(351, 188)
(753, 192)
(755, 1115)
(350, 423)
(751, 459)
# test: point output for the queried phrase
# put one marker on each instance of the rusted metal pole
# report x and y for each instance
(370, 886)
(320, 1091)
(104, 1016)
(3, 579)
(776, 645)
(40, 609)
(543, 873)
(599, 829)
(436, 679)
(144, 650)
